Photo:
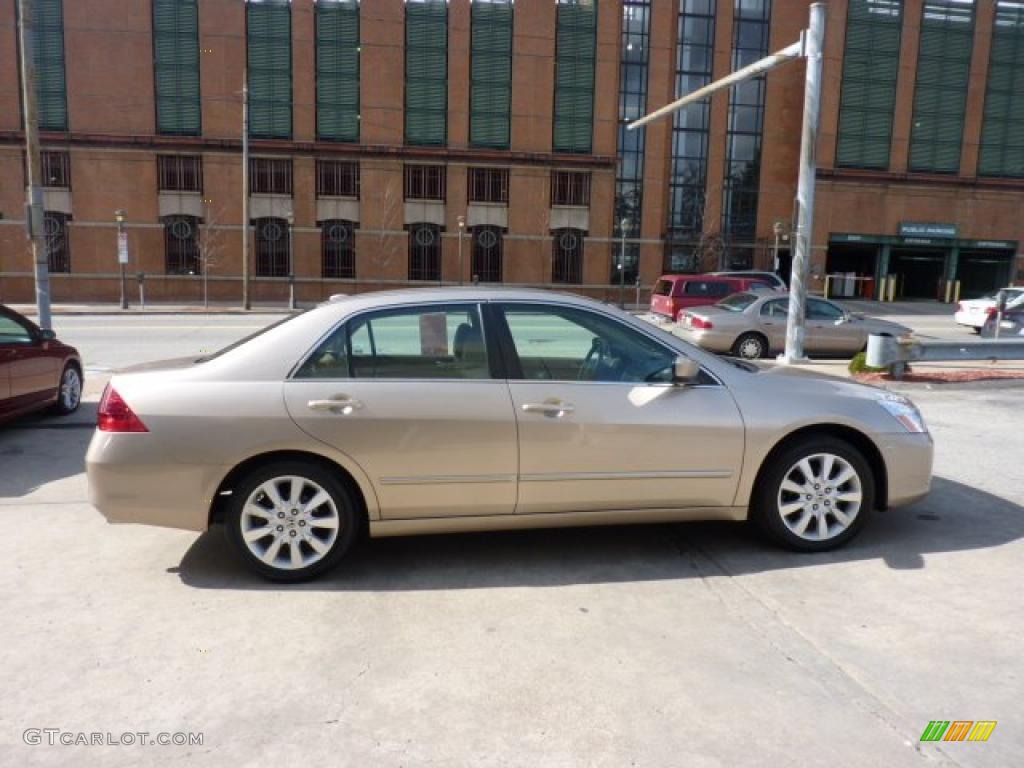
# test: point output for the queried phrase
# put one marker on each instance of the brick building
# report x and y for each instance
(400, 142)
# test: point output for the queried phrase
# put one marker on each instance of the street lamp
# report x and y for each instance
(461, 220)
(291, 260)
(623, 227)
(122, 253)
(777, 229)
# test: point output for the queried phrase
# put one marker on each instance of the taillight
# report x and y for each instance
(694, 321)
(115, 415)
(990, 311)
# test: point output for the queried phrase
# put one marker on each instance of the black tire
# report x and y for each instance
(765, 501)
(63, 407)
(349, 521)
(750, 346)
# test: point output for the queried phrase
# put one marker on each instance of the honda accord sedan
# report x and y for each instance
(446, 410)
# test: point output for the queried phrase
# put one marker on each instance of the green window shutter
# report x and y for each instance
(868, 97)
(575, 46)
(270, 69)
(337, 70)
(1002, 136)
(940, 93)
(490, 94)
(51, 88)
(176, 67)
(426, 72)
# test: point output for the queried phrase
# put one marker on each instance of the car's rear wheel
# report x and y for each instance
(291, 520)
(751, 346)
(69, 392)
(814, 495)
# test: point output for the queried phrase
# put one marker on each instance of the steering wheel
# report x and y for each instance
(599, 350)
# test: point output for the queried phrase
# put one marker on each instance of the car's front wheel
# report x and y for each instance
(69, 392)
(291, 520)
(814, 495)
(751, 346)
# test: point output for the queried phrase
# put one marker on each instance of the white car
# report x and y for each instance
(974, 312)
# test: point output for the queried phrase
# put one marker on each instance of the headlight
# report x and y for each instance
(904, 411)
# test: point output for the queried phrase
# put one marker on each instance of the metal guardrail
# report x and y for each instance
(889, 352)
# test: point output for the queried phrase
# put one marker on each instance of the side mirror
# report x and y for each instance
(47, 335)
(685, 371)
(844, 318)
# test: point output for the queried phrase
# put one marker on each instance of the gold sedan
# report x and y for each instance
(442, 410)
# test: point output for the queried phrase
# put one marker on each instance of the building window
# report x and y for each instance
(940, 94)
(570, 188)
(181, 245)
(487, 248)
(424, 252)
(338, 249)
(179, 173)
(425, 182)
(337, 70)
(426, 72)
(575, 46)
(337, 178)
(488, 185)
(271, 247)
(490, 73)
(176, 67)
(270, 176)
(56, 169)
(691, 126)
(1002, 137)
(871, 63)
(746, 119)
(567, 256)
(269, 24)
(51, 86)
(55, 235)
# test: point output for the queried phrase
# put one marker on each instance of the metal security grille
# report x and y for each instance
(1002, 133)
(871, 62)
(575, 46)
(338, 249)
(337, 178)
(425, 182)
(567, 256)
(490, 74)
(271, 247)
(176, 67)
(746, 118)
(179, 173)
(488, 185)
(337, 70)
(56, 169)
(181, 246)
(570, 188)
(424, 252)
(270, 176)
(55, 235)
(487, 249)
(940, 93)
(270, 68)
(51, 87)
(691, 126)
(426, 72)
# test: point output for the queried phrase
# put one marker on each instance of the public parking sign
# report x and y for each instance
(122, 247)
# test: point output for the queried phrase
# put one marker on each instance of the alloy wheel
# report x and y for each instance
(820, 497)
(289, 522)
(70, 389)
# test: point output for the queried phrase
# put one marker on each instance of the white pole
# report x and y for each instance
(245, 189)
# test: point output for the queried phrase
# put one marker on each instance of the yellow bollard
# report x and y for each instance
(956, 291)
(949, 290)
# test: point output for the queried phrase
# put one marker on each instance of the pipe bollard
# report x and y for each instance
(142, 288)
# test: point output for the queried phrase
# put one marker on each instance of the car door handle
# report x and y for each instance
(554, 408)
(340, 404)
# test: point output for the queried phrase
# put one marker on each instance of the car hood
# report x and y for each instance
(796, 380)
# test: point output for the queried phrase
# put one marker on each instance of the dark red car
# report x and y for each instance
(36, 370)
(674, 293)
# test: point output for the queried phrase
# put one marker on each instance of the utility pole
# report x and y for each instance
(461, 220)
(623, 226)
(245, 189)
(34, 209)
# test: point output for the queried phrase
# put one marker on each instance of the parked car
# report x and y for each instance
(973, 313)
(443, 410)
(752, 325)
(36, 370)
(1011, 326)
(771, 278)
(674, 293)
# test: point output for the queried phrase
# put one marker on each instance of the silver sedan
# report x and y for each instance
(443, 410)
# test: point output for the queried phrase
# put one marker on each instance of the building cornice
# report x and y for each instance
(919, 179)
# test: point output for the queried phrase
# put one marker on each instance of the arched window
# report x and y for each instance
(487, 248)
(271, 247)
(424, 252)
(338, 248)
(181, 245)
(55, 232)
(567, 256)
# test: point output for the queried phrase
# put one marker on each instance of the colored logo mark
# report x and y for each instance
(958, 730)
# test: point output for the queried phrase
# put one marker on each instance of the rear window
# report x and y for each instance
(707, 288)
(663, 288)
(737, 302)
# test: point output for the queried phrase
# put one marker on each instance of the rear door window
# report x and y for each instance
(710, 288)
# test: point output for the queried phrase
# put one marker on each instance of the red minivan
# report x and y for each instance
(673, 293)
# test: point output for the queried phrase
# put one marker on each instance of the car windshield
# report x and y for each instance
(737, 302)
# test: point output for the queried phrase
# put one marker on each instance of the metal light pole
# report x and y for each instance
(777, 230)
(461, 220)
(122, 253)
(245, 189)
(623, 226)
(291, 259)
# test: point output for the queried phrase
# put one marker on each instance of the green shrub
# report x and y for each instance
(859, 364)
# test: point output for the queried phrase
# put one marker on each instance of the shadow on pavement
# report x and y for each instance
(954, 517)
(40, 448)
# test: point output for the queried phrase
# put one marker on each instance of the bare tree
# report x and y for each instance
(387, 250)
(210, 245)
(709, 253)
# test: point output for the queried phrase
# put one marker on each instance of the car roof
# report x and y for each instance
(459, 293)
